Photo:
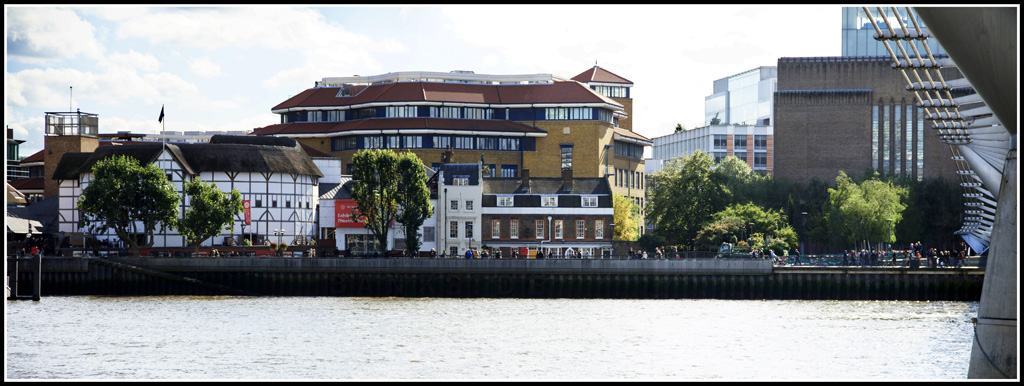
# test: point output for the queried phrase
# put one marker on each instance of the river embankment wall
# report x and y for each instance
(550, 278)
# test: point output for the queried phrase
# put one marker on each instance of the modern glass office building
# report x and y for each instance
(859, 34)
(746, 98)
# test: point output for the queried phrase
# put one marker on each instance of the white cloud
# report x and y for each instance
(204, 67)
(134, 60)
(40, 35)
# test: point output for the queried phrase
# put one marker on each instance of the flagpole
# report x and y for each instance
(163, 124)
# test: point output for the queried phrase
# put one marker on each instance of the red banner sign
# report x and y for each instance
(245, 204)
(342, 214)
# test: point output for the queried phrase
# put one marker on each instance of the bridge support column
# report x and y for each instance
(994, 351)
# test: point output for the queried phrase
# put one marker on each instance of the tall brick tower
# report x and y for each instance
(66, 132)
(613, 86)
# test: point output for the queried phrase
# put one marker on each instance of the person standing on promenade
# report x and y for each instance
(540, 254)
(960, 257)
(469, 253)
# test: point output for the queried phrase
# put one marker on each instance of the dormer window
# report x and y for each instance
(549, 201)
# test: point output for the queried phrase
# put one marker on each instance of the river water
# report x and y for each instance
(293, 338)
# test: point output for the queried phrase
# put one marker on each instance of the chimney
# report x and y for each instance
(526, 180)
(567, 180)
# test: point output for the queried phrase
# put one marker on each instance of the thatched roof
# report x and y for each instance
(224, 153)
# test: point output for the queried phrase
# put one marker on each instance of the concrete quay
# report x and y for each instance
(549, 278)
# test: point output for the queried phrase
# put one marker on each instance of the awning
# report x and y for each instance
(22, 226)
(20, 220)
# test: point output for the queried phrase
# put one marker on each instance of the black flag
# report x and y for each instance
(161, 119)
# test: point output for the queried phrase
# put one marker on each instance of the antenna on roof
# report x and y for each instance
(71, 94)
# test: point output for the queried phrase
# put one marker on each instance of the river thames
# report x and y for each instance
(353, 338)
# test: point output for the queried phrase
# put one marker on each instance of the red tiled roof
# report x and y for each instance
(396, 123)
(557, 92)
(630, 134)
(311, 152)
(32, 183)
(37, 157)
(598, 74)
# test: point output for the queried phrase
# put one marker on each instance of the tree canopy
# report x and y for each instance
(130, 199)
(861, 213)
(210, 211)
(375, 191)
(413, 198)
(626, 217)
(685, 195)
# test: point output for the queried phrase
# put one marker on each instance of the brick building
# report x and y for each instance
(852, 114)
(564, 216)
(511, 123)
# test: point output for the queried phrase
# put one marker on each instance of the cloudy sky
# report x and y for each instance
(223, 68)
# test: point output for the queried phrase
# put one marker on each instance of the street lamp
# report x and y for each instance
(279, 233)
(803, 246)
(888, 237)
(612, 226)
(549, 233)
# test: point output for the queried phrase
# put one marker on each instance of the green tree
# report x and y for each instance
(129, 199)
(413, 198)
(626, 217)
(375, 191)
(210, 211)
(861, 212)
(680, 127)
(651, 241)
(733, 222)
(715, 120)
(687, 193)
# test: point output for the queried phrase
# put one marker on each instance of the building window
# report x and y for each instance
(580, 228)
(453, 251)
(719, 156)
(469, 204)
(589, 202)
(508, 171)
(760, 142)
(556, 229)
(739, 142)
(453, 229)
(508, 144)
(464, 142)
(373, 142)
(874, 137)
(259, 203)
(273, 203)
(469, 229)
(495, 229)
(401, 111)
(413, 141)
(566, 157)
(460, 181)
(760, 160)
(453, 205)
(539, 228)
(721, 142)
(444, 112)
(742, 155)
(598, 229)
(513, 228)
(478, 113)
(505, 201)
(549, 201)
(442, 141)
(486, 143)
